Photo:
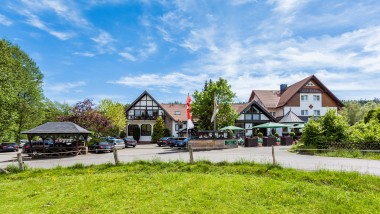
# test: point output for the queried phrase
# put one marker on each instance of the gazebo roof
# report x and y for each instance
(57, 128)
(291, 117)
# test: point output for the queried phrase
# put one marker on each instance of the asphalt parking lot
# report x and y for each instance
(256, 154)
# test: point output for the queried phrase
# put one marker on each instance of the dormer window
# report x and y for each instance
(177, 113)
(310, 84)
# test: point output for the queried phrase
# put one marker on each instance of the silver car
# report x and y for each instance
(117, 143)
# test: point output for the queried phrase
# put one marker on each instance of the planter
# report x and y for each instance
(286, 141)
(251, 142)
(269, 141)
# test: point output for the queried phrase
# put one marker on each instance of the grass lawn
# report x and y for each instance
(178, 187)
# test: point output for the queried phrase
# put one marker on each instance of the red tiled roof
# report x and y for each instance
(273, 99)
(172, 108)
(269, 98)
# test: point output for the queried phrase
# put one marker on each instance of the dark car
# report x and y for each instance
(37, 145)
(182, 143)
(100, 147)
(163, 141)
(129, 142)
(175, 140)
(8, 147)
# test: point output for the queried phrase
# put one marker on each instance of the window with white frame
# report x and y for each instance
(310, 84)
(303, 97)
(317, 113)
(316, 97)
(304, 112)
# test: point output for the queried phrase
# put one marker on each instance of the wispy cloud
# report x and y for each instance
(178, 82)
(127, 56)
(5, 21)
(67, 87)
(287, 6)
(36, 22)
(86, 54)
(104, 42)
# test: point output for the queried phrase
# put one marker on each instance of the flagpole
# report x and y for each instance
(215, 116)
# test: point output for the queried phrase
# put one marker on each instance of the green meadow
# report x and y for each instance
(178, 187)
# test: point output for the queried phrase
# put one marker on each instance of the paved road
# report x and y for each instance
(262, 155)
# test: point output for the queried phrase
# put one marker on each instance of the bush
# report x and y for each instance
(260, 134)
(292, 134)
(93, 141)
(123, 134)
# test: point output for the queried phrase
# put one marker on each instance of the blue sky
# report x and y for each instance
(116, 49)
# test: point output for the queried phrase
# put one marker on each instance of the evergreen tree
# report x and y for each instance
(158, 130)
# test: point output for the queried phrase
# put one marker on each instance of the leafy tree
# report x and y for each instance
(115, 112)
(20, 91)
(363, 132)
(372, 114)
(203, 105)
(312, 133)
(334, 127)
(84, 114)
(54, 110)
(158, 130)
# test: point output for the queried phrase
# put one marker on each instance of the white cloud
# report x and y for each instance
(86, 54)
(287, 6)
(68, 87)
(127, 56)
(36, 22)
(173, 82)
(104, 42)
(5, 21)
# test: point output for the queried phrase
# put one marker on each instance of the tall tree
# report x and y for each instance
(203, 105)
(86, 116)
(54, 110)
(115, 112)
(21, 94)
(158, 130)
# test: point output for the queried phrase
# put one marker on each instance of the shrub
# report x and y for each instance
(292, 134)
(260, 134)
(93, 141)
(123, 134)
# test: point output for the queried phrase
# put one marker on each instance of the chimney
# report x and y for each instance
(283, 88)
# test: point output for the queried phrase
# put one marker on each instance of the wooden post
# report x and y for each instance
(191, 154)
(274, 158)
(20, 162)
(115, 156)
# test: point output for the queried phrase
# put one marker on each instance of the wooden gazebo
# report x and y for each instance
(67, 139)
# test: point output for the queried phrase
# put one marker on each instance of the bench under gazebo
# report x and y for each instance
(58, 139)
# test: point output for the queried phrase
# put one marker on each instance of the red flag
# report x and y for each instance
(188, 101)
(190, 124)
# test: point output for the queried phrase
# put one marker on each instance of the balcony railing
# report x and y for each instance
(132, 117)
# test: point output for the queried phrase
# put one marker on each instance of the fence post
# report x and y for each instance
(191, 154)
(114, 150)
(274, 158)
(20, 162)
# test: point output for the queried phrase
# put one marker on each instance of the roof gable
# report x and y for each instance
(241, 107)
(296, 87)
(144, 95)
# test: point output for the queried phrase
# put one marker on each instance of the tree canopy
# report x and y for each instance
(203, 105)
(21, 94)
(115, 112)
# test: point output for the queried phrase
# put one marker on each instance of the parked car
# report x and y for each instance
(174, 141)
(182, 143)
(163, 141)
(22, 143)
(130, 142)
(117, 143)
(100, 147)
(8, 147)
(36, 144)
(169, 141)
